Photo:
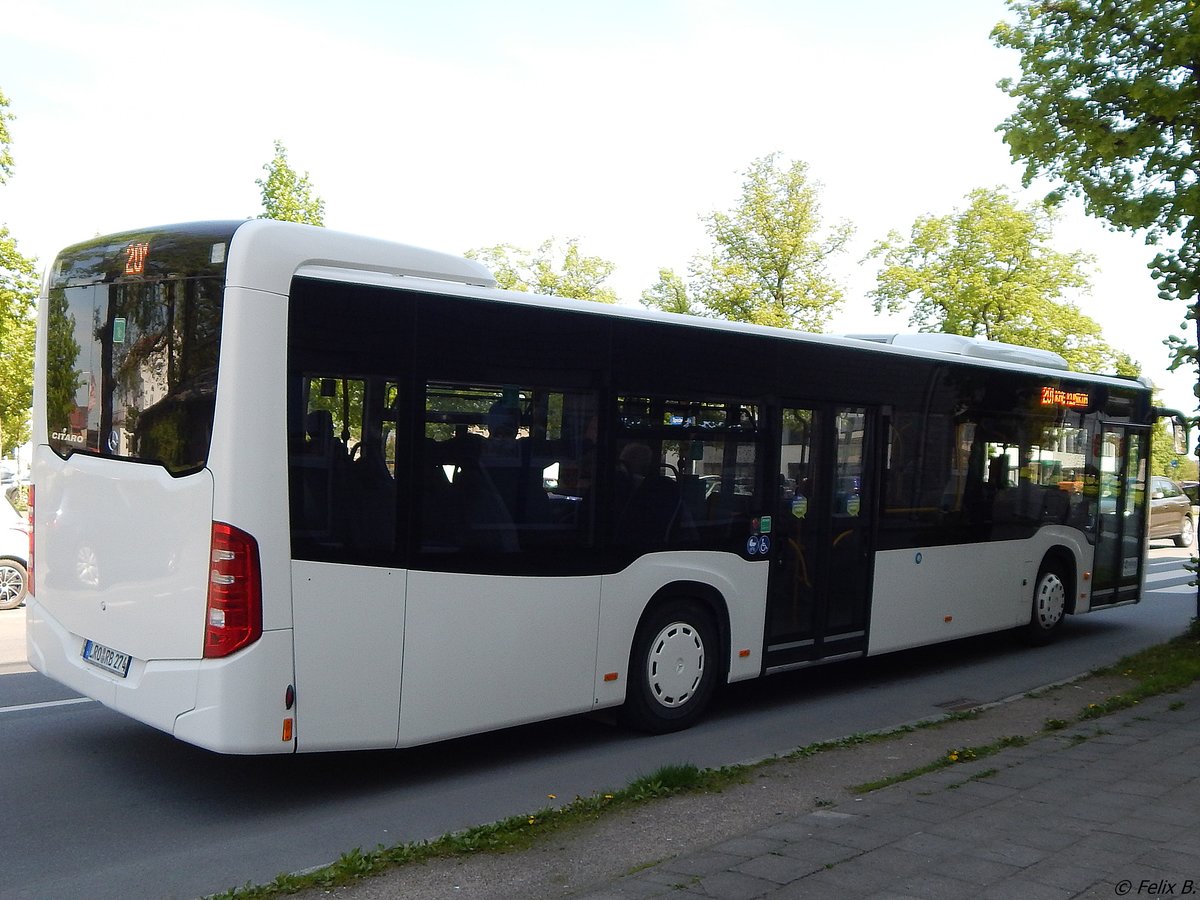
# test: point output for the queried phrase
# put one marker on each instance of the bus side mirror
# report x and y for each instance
(1179, 428)
(1179, 432)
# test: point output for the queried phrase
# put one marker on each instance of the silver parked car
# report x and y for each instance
(1170, 512)
(14, 557)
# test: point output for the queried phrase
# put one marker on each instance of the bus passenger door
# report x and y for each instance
(1118, 491)
(821, 573)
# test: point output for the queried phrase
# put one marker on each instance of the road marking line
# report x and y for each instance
(47, 705)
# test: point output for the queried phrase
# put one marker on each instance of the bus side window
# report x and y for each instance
(504, 469)
(343, 489)
(687, 474)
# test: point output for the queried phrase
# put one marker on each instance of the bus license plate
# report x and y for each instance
(106, 658)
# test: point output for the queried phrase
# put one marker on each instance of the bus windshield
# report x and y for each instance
(132, 339)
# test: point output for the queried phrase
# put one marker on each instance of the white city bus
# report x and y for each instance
(297, 490)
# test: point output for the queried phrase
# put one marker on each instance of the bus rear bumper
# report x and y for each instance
(152, 692)
(241, 703)
(181, 697)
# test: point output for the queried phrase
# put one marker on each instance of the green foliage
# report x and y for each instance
(670, 294)
(63, 376)
(18, 296)
(768, 264)
(1108, 104)
(6, 160)
(667, 780)
(1161, 669)
(989, 271)
(286, 196)
(550, 269)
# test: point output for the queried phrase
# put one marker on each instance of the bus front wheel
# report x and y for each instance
(672, 668)
(1049, 604)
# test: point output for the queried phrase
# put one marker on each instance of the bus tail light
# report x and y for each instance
(29, 567)
(233, 619)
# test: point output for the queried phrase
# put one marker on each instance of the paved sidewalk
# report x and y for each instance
(1106, 808)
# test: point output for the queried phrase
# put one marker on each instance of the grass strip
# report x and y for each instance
(1162, 669)
(952, 757)
(513, 833)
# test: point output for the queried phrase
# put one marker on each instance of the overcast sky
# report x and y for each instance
(454, 125)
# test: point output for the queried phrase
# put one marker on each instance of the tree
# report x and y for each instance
(988, 271)
(768, 265)
(670, 294)
(550, 269)
(286, 196)
(18, 296)
(6, 160)
(1108, 105)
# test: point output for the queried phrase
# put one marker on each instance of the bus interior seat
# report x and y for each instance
(371, 500)
(1056, 506)
(463, 510)
(319, 427)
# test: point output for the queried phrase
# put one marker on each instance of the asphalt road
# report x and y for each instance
(96, 804)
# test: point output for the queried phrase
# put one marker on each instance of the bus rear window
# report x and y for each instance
(132, 369)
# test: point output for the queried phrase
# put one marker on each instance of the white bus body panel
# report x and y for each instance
(248, 456)
(483, 652)
(742, 584)
(349, 635)
(929, 594)
(241, 704)
(121, 553)
(266, 255)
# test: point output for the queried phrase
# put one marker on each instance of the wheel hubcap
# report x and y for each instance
(675, 665)
(1051, 600)
(10, 583)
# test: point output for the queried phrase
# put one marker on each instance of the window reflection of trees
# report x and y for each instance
(63, 374)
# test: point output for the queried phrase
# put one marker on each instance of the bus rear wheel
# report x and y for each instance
(1049, 604)
(672, 668)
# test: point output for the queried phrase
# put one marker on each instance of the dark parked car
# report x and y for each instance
(1192, 489)
(1170, 512)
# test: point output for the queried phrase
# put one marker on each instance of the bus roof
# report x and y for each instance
(266, 255)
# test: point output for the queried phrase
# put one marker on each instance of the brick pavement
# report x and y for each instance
(1106, 808)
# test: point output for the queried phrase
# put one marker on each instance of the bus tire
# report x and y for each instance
(673, 668)
(1049, 603)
